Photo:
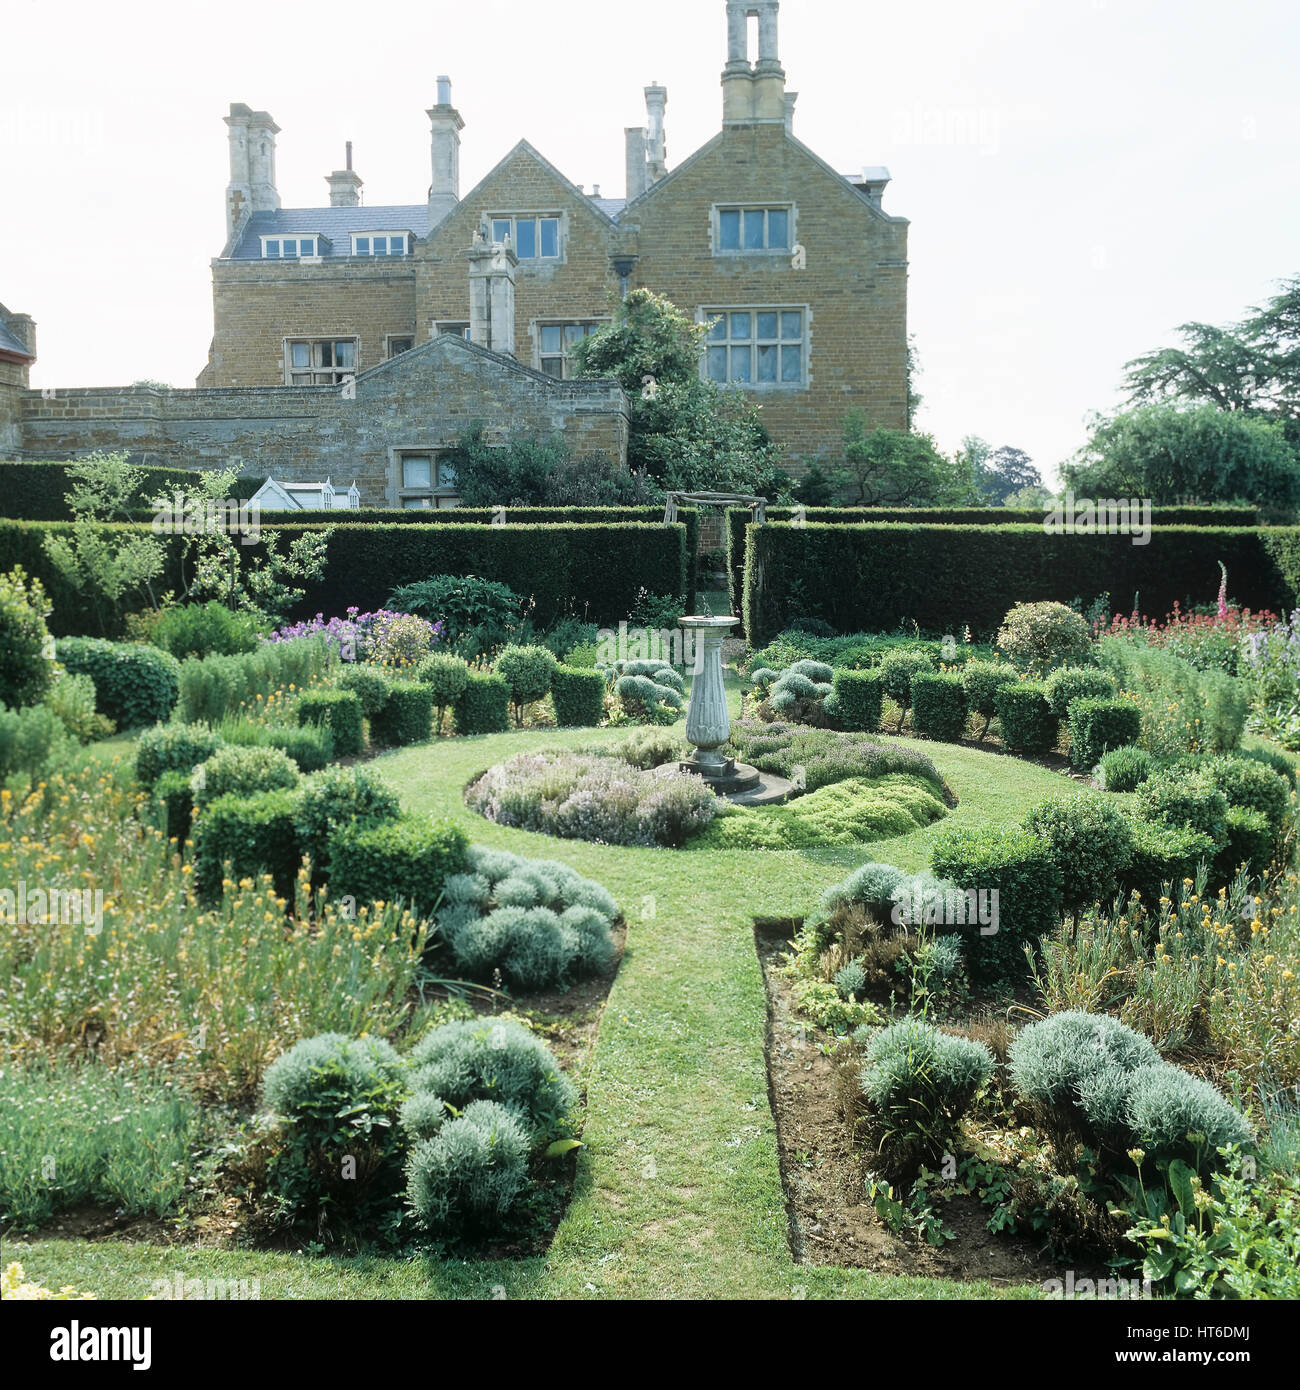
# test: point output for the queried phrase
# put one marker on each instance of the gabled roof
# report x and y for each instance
(337, 225)
(12, 346)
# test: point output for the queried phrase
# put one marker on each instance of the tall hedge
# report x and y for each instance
(738, 518)
(876, 576)
(35, 491)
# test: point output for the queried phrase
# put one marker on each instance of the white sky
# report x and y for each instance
(1081, 175)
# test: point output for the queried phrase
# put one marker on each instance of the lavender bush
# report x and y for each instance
(383, 637)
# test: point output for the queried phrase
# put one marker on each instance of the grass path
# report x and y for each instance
(679, 1192)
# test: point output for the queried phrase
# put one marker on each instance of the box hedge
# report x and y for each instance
(368, 684)
(578, 697)
(938, 705)
(878, 576)
(1019, 867)
(1250, 841)
(483, 707)
(1165, 857)
(173, 748)
(340, 712)
(174, 798)
(1097, 726)
(1026, 719)
(407, 715)
(134, 684)
(407, 858)
(856, 700)
(253, 835)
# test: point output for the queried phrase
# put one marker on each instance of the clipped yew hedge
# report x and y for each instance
(873, 577)
(35, 491)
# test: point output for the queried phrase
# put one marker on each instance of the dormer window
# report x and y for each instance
(380, 244)
(533, 238)
(289, 247)
(752, 230)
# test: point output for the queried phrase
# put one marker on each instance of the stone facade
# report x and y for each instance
(17, 353)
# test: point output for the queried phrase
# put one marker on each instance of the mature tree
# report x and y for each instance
(892, 468)
(914, 369)
(1198, 454)
(1252, 367)
(686, 433)
(1009, 471)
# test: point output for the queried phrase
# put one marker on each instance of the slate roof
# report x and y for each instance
(8, 343)
(335, 224)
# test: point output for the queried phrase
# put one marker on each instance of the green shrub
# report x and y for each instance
(578, 697)
(1039, 637)
(369, 685)
(1125, 769)
(337, 1099)
(896, 672)
(446, 676)
(1091, 843)
(1250, 841)
(477, 615)
(407, 858)
(1247, 782)
(202, 629)
(1171, 1114)
(134, 684)
(72, 699)
(407, 716)
(32, 741)
(240, 771)
(825, 756)
(1271, 758)
(336, 799)
(1020, 868)
(311, 746)
(1070, 683)
(26, 648)
(214, 687)
(497, 1060)
(870, 885)
(856, 699)
(850, 980)
(1098, 725)
(527, 671)
(645, 749)
(938, 706)
(484, 707)
(1165, 857)
(173, 794)
(982, 680)
(252, 833)
(1178, 798)
(173, 748)
(919, 1083)
(1026, 719)
(340, 712)
(467, 1176)
(825, 1007)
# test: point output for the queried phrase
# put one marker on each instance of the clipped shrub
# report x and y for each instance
(202, 629)
(1070, 683)
(483, 707)
(72, 700)
(32, 741)
(339, 711)
(408, 858)
(1019, 867)
(1026, 719)
(1165, 857)
(253, 834)
(919, 1083)
(1271, 758)
(1038, 637)
(311, 746)
(497, 1060)
(1091, 843)
(981, 681)
(938, 705)
(134, 684)
(896, 671)
(1249, 840)
(1099, 725)
(1178, 798)
(1172, 1114)
(578, 697)
(467, 1175)
(335, 799)
(527, 671)
(369, 685)
(856, 699)
(174, 797)
(26, 647)
(1125, 769)
(407, 715)
(173, 748)
(446, 677)
(240, 771)
(1245, 781)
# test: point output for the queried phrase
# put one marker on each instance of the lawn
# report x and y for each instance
(679, 1192)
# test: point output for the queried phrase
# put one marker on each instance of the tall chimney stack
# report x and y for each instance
(446, 125)
(492, 268)
(252, 165)
(656, 100)
(344, 184)
(637, 181)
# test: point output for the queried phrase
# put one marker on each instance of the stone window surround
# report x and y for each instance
(715, 228)
(342, 374)
(440, 326)
(391, 338)
(314, 237)
(389, 255)
(524, 214)
(398, 492)
(535, 327)
(706, 312)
